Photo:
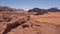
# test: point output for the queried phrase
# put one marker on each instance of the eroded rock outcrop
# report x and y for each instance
(26, 25)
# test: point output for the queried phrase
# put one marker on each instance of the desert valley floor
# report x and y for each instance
(26, 23)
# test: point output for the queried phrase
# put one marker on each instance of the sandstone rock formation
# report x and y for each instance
(25, 24)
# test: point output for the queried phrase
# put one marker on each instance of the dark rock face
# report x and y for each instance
(38, 11)
(43, 11)
(54, 9)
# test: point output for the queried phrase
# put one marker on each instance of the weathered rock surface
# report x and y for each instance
(24, 24)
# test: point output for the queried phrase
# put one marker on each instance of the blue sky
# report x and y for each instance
(29, 4)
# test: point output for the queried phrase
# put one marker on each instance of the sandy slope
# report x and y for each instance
(52, 17)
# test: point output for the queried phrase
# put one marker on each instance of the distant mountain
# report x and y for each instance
(38, 11)
(53, 10)
(44, 10)
(6, 8)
